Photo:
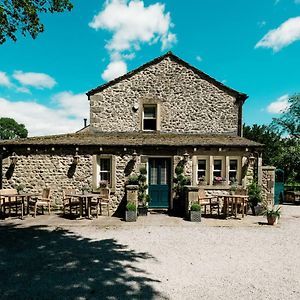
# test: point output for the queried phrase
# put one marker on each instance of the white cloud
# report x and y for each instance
(199, 58)
(132, 24)
(23, 89)
(37, 80)
(114, 70)
(75, 105)
(42, 120)
(279, 105)
(4, 80)
(287, 33)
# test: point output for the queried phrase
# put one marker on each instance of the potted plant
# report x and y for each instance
(272, 214)
(20, 188)
(202, 180)
(133, 179)
(103, 184)
(85, 189)
(255, 197)
(130, 213)
(195, 213)
(219, 180)
(233, 186)
(143, 198)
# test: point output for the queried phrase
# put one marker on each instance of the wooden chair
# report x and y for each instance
(104, 199)
(210, 201)
(242, 205)
(41, 201)
(94, 204)
(10, 202)
(69, 202)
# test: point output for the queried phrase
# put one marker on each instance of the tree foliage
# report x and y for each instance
(10, 129)
(283, 153)
(265, 135)
(23, 15)
(289, 121)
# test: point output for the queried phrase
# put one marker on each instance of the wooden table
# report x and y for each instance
(25, 197)
(233, 200)
(85, 200)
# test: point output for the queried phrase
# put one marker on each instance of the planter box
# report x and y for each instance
(142, 211)
(221, 183)
(195, 216)
(130, 216)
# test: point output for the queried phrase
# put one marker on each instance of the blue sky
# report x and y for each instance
(251, 46)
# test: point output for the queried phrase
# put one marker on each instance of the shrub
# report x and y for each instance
(195, 207)
(131, 206)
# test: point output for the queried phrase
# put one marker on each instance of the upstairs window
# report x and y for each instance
(150, 117)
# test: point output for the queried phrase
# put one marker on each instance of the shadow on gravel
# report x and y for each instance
(36, 263)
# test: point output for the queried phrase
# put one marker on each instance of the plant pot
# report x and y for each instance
(202, 183)
(195, 216)
(130, 216)
(142, 211)
(272, 220)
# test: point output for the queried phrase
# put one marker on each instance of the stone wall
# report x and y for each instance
(37, 171)
(188, 104)
(268, 185)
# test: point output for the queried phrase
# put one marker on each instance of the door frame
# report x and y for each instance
(171, 184)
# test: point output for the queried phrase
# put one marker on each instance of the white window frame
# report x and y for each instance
(97, 171)
(239, 168)
(223, 172)
(156, 116)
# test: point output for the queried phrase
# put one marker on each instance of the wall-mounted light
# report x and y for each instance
(134, 155)
(13, 158)
(76, 158)
(186, 156)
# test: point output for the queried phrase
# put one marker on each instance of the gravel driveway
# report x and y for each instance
(165, 259)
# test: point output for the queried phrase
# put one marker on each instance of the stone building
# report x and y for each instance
(163, 113)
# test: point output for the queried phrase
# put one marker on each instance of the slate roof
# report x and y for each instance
(89, 138)
(239, 96)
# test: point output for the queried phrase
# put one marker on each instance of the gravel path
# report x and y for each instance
(180, 261)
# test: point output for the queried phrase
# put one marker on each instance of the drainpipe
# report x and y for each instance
(84, 122)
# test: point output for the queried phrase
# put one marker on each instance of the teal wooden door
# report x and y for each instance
(159, 182)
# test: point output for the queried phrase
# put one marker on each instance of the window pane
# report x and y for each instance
(163, 173)
(104, 164)
(153, 173)
(105, 170)
(217, 167)
(233, 164)
(201, 170)
(150, 112)
(149, 124)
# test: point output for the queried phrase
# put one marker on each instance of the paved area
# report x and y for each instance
(157, 257)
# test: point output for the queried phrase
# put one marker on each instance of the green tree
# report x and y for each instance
(289, 121)
(271, 139)
(10, 129)
(23, 15)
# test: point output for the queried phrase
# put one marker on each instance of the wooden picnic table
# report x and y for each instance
(233, 201)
